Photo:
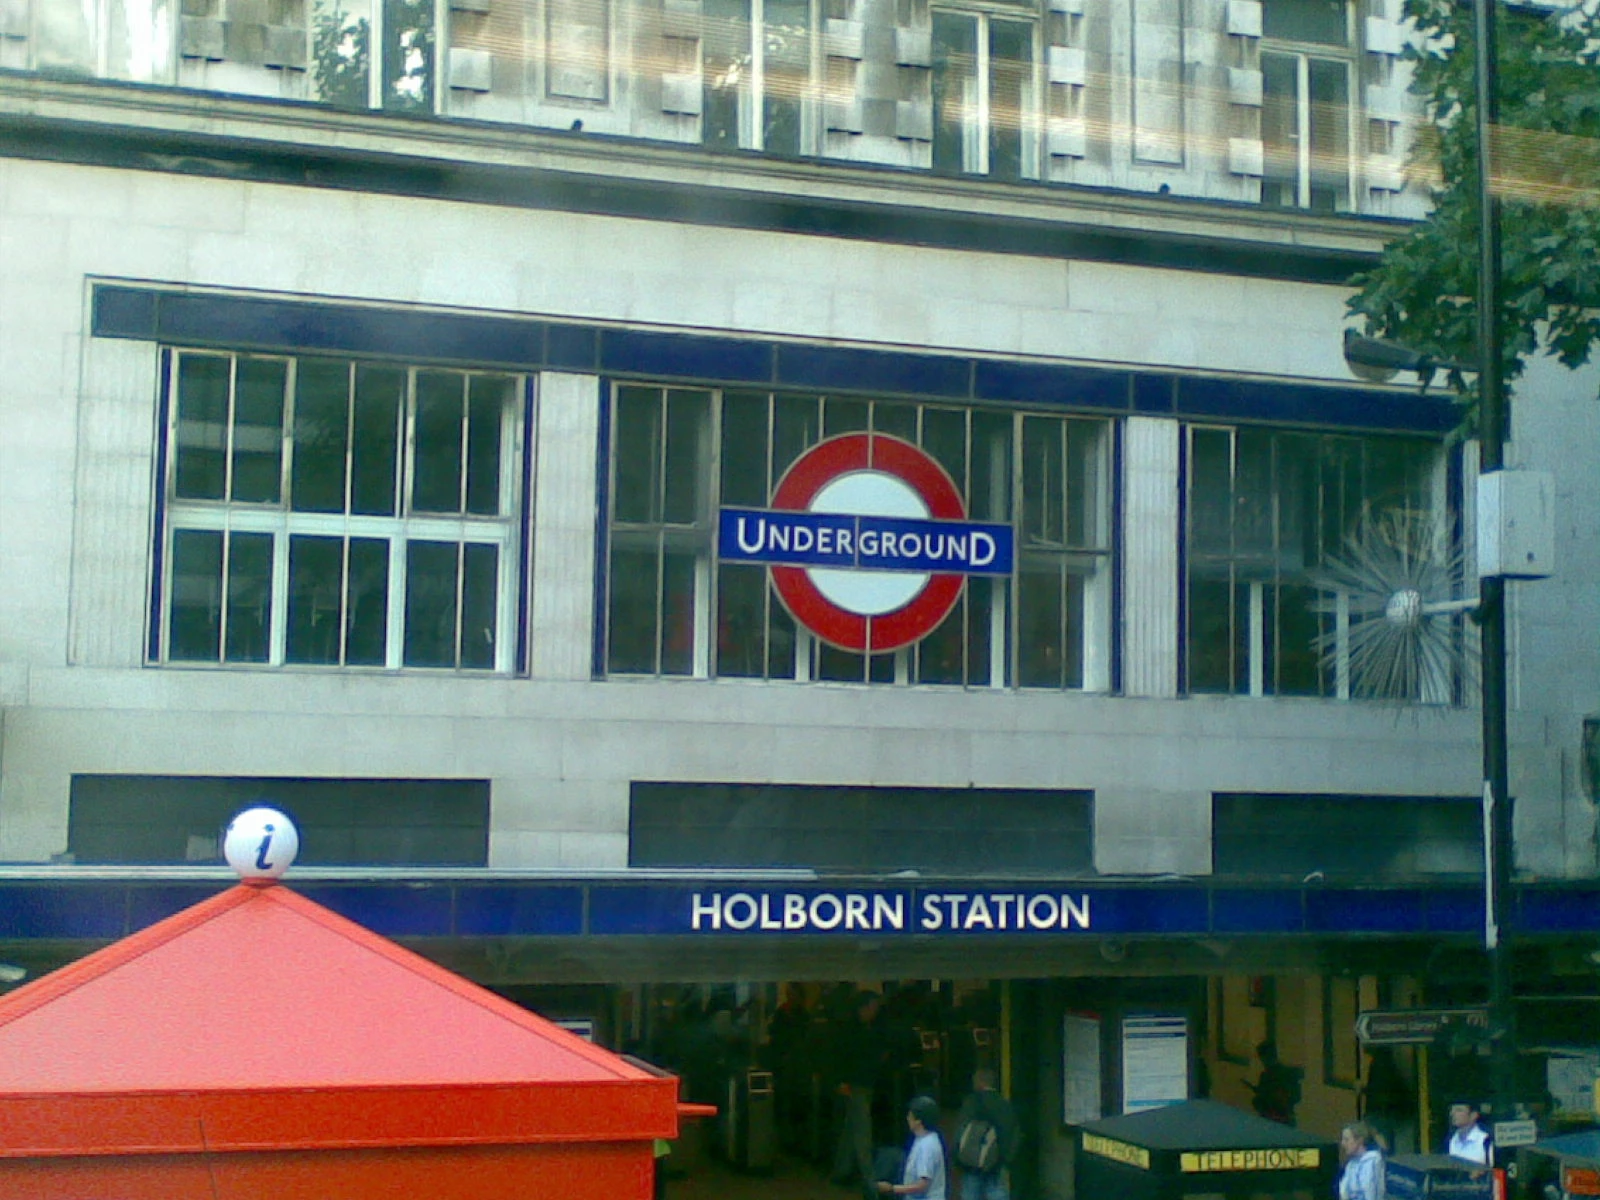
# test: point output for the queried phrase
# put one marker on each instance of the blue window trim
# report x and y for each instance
(158, 508)
(244, 323)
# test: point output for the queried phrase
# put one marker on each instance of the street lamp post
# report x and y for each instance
(1497, 823)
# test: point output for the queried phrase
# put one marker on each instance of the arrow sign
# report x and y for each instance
(1414, 1026)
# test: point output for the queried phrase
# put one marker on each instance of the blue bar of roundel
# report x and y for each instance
(1257, 912)
(503, 910)
(730, 549)
(1366, 912)
(1000, 564)
(392, 911)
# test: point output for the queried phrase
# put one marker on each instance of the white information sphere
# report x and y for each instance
(869, 494)
(260, 843)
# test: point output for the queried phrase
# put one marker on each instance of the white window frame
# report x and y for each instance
(975, 133)
(276, 519)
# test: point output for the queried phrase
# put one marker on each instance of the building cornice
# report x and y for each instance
(219, 136)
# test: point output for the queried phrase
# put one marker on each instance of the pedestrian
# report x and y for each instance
(1277, 1091)
(1468, 1138)
(859, 1055)
(986, 1139)
(926, 1171)
(1363, 1174)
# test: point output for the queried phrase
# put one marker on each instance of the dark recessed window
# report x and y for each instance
(342, 822)
(951, 831)
(1348, 837)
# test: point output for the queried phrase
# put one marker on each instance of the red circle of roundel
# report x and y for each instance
(813, 471)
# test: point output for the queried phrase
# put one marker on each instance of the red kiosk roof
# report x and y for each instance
(260, 1020)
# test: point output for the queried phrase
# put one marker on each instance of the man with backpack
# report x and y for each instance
(986, 1140)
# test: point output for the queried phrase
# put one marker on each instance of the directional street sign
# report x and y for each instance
(1415, 1026)
(1514, 1133)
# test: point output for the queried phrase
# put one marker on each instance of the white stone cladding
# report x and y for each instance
(77, 430)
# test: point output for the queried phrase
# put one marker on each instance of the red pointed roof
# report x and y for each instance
(258, 1019)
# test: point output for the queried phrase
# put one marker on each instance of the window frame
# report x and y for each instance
(978, 138)
(1302, 54)
(506, 530)
(1096, 563)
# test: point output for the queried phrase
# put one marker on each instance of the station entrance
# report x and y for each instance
(781, 1062)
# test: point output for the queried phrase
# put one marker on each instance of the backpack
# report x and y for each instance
(978, 1146)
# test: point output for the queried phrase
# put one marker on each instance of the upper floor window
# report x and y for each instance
(1266, 510)
(339, 513)
(757, 64)
(1307, 67)
(673, 609)
(984, 95)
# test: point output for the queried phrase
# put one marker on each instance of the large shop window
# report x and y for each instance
(325, 512)
(673, 609)
(984, 95)
(1266, 509)
(1307, 65)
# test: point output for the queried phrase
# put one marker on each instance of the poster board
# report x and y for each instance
(1155, 1061)
(1082, 1090)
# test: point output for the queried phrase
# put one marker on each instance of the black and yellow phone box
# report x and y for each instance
(1202, 1148)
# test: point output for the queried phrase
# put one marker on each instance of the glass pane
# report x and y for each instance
(367, 603)
(840, 665)
(316, 586)
(341, 52)
(939, 655)
(1043, 488)
(726, 69)
(1296, 626)
(1210, 494)
(1255, 517)
(1296, 497)
(1040, 603)
(631, 641)
(788, 62)
(638, 453)
(677, 613)
(380, 397)
(430, 632)
(202, 427)
(1322, 21)
(249, 597)
(1280, 129)
(944, 436)
(131, 51)
(796, 427)
(321, 435)
(258, 430)
(1330, 135)
(1010, 94)
(897, 420)
(479, 591)
(1086, 516)
(955, 91)
(489, 398)
(688, 448)
(781, 639)
(741, 619)
(986, 607)
(194, 630)
(990, 496)
(844, 416)
(436, 477)
(408, 54)
(1072, 647)
(1210, 635)
(744, 449)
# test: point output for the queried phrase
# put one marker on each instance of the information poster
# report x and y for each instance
(1155, 1062)
(1082, 1097)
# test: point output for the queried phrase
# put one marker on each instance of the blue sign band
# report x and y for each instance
(864, 543)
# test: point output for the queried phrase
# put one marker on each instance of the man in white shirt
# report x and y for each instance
(1468, 1138)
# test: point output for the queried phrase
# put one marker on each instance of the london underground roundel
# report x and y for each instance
(868, 542)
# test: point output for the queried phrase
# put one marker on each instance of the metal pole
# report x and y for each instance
(1492, 420)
